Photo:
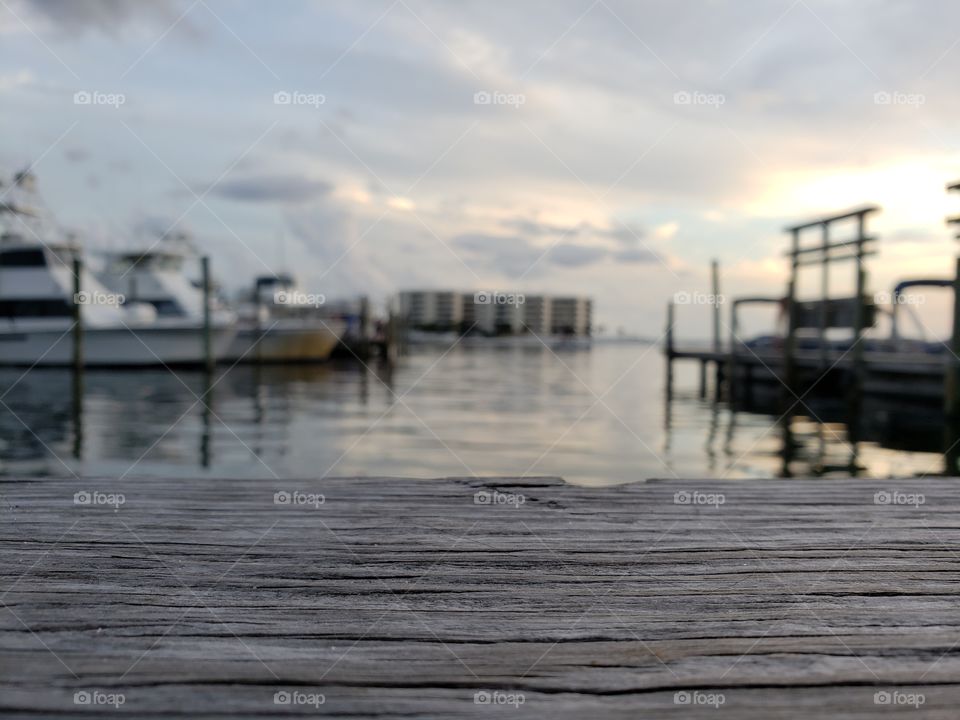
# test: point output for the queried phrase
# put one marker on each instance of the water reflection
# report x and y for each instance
(597, 417)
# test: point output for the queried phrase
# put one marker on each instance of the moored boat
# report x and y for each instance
(281, 323)
(38, 303)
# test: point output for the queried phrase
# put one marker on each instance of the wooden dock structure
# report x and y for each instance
(804, 358)
(478, 598)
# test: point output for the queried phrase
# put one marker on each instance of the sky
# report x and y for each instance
(598, 147)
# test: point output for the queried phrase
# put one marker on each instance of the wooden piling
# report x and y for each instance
(669, 348)
(789, 344)
(731, 355)
(208, 357)
(951, 393)
(859, 327)
(715, 290)
(77, 314)
(824, 295)
(77, 360)
(364, 325)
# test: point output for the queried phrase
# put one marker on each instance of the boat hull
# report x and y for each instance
(285, 341)
(112, 347)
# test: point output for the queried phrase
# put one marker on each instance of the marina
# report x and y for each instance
(141, 309)
(569, 360)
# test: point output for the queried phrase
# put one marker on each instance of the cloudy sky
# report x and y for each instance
(602, 147)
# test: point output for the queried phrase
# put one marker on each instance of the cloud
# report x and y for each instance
(76, 155)
(623, 234)
(273, 189)
(636, 255)
(598, 176)
(12, 81)
(515, 256)
(573, 255)
(105, 15)
(339, 252)
(510, 255)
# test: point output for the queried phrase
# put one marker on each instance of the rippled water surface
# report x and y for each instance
(596, 416)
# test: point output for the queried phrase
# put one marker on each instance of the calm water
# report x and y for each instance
(593, 417)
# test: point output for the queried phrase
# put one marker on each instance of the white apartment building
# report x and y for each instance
(439, 310)
(498, 313)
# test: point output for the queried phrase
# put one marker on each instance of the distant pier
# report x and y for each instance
(805, 360)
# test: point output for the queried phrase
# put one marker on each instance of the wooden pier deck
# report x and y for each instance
(417, 598)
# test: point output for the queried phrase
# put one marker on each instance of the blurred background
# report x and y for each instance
(599, 149)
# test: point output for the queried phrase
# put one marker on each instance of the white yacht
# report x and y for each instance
(277, 323)
(37, 302)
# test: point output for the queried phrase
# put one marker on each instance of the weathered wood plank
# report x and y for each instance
(407, 597)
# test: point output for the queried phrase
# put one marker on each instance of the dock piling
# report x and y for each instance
(77, 315)
(951, 394)
(77, 360)
(669, 352)
(715, 290)
(208, 358)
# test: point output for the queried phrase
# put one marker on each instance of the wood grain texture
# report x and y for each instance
(406, 598)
